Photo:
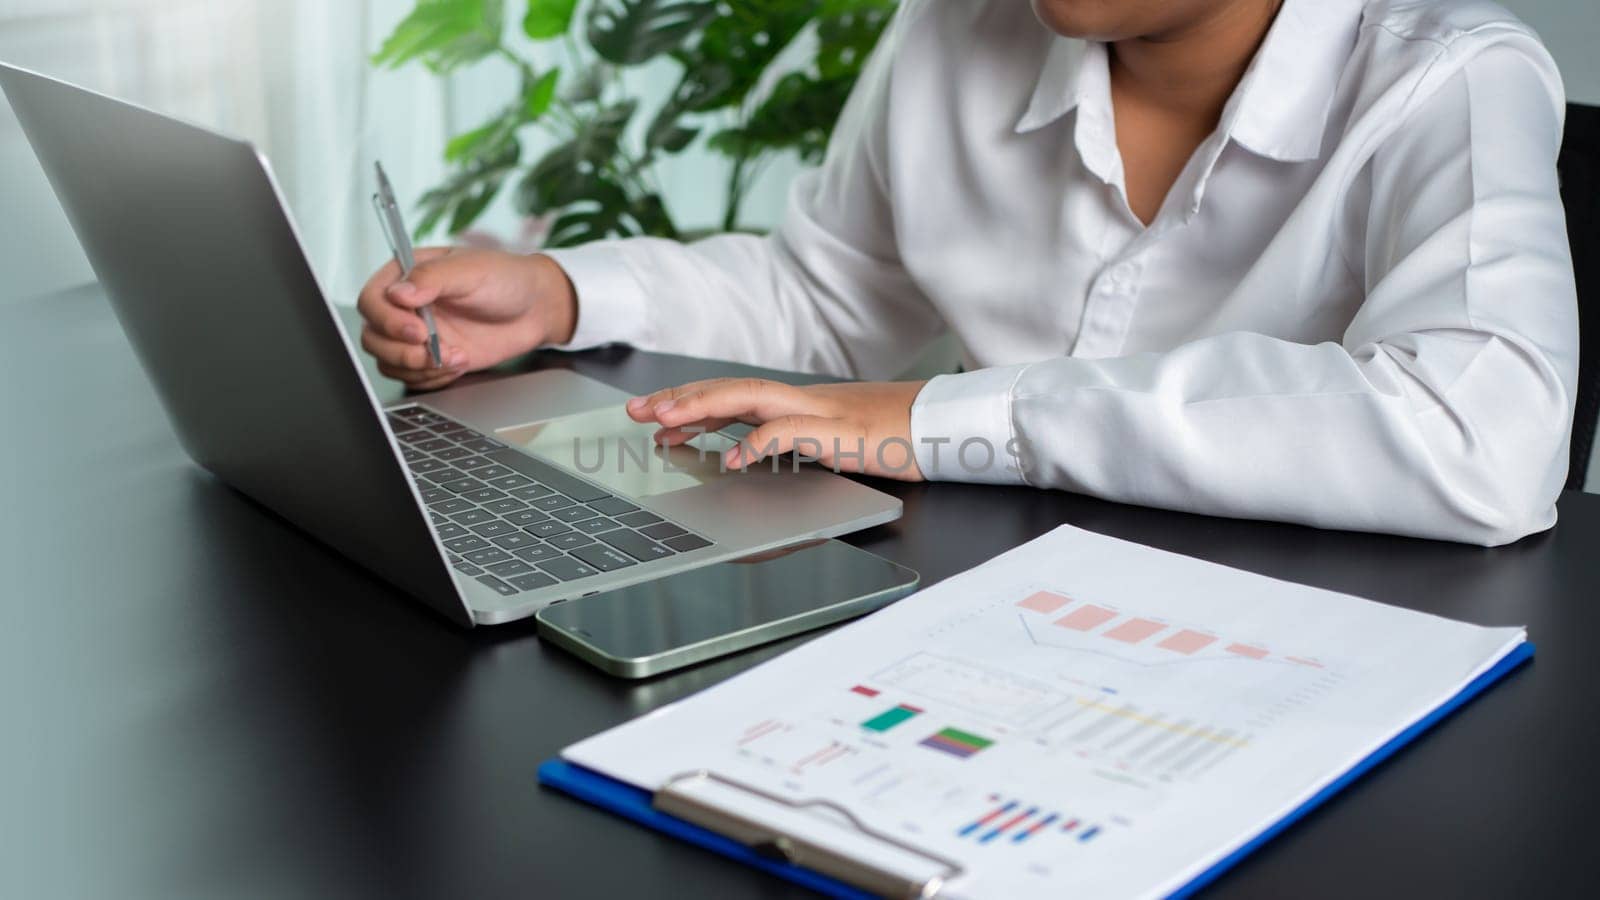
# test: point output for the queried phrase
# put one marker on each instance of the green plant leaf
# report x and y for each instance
(736, 47)
(572, 170)
(468, 191)
(539, 95)
(464, 145)
(548, 18)
(589, 84)
(629, 32)
(444, 34)
(600, 213)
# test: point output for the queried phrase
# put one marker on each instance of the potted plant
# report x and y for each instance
(597, 179)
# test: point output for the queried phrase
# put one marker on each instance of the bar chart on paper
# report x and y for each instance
(1082, 717)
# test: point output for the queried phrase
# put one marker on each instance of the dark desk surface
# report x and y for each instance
(200, 701)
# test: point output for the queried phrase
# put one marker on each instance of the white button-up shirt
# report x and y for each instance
(1355, 309)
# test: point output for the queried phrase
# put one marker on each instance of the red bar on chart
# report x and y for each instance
(1304, 662)
(1086, 617)
(864, 691)
(1044, 602)
(1134, 630)
(1187, 641)
(1247, 650)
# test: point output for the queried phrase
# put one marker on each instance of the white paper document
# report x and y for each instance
(1079, 717)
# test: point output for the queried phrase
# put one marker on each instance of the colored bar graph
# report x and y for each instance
(1247, 651)
(1005, 826)
(957, 743)
(1304, 662)
(1086, 617)
(864, 691)
(1187, 641)
(891, 717)
(1069, 825)
(1034, 829)
(1134, 630)
(993, 814)
(1044, 602)
(1088, 834)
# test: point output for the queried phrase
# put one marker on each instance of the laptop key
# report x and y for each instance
(638, 519)
(409, 412)
(487, 556)
(505, 505)
(567, 569)
(543, 472)
(452, 453)
(613, 506)
(602, 557)
(414, 437)
(482, 445)
(531, 492)
(444, 426)
(434, 495)
(635, 544)
(466, 568)
(436, 518)
(550, 502)
(434, 444)
(507, 482)
(429, 464)
(500, 587)
(473, 516)
(531, 581)
(494, 528)
(484, 495)
(536, 553)
(516, 540)
(547, 529)
(464, 486)
(474, 463)
(661, 531)
(466, 544)
(492, 470)
(412, 455)
(572, 514)
(511, 567)
(450, 506)
(594, 526)
(440, 476)
(450, 530)
(570, 541)
(525, 517)
(683, 543)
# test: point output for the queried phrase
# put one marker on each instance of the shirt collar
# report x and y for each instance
(1280, 108)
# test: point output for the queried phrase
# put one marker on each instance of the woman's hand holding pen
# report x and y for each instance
(489, 306)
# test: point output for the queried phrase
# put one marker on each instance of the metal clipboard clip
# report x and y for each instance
(675, 799)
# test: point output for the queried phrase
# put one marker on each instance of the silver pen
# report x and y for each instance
(394, 231)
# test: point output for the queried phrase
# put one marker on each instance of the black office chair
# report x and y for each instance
(1580, 191)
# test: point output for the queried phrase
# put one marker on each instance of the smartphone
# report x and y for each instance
(693, 616)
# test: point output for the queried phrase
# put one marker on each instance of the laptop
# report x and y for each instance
(488, 501)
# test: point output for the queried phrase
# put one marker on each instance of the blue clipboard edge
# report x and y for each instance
(634, 803)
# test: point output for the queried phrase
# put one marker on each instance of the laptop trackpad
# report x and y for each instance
(608, 447)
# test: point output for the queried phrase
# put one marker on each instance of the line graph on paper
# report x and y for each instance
(1079, 677)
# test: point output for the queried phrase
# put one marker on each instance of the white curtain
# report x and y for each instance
(290, 75)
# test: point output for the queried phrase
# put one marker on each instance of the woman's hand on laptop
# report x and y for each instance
(863, 427)
(488, 306)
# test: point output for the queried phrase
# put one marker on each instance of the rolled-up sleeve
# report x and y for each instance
(1445, 410)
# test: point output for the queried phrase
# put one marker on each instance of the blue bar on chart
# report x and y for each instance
(1005, 826)
(1034, 829)
(993, 814)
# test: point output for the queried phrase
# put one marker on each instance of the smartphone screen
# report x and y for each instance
(724, 607)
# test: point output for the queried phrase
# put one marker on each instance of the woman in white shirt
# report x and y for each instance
(1301, 260)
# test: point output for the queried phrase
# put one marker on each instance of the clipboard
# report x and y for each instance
(816, 869)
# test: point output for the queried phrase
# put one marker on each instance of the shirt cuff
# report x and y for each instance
(611, 299)
(961, 427)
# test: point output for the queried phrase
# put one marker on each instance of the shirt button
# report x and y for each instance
(1124, 272)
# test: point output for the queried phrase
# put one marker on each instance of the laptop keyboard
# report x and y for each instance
(515, 523)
